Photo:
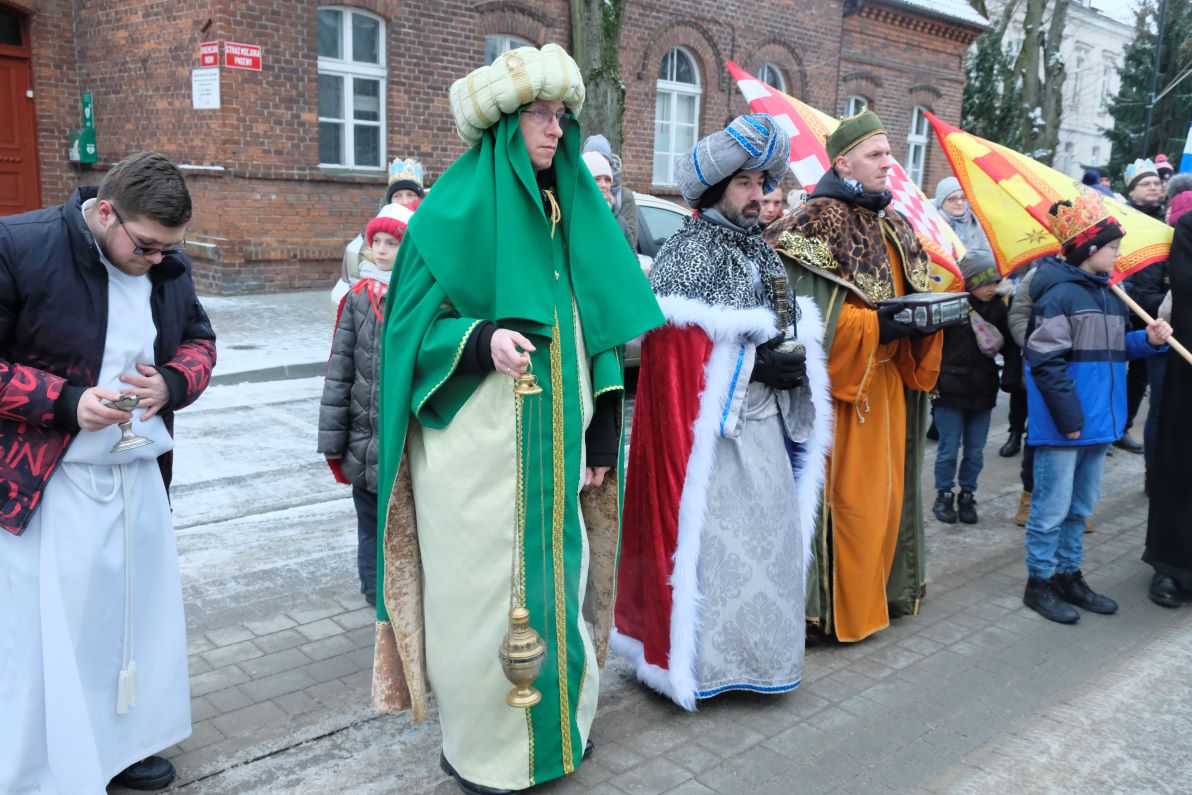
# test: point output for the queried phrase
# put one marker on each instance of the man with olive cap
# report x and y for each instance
(731, 430)
(488, 499)
(853, 253)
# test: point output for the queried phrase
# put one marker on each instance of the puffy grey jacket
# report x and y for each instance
(1020, 309)
(349, 409)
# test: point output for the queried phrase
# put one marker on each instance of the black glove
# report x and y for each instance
(889, 329)
(777, 369)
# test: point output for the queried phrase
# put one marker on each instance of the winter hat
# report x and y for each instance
(598, 164)
(753, 142)
(1179, 183)
(404, 175)
(598, 143)
(1163, 166)
(1091, 177)
(1083, 227)
(1137, 171)
(946, 187)
(1181, 203)
(393, 218)
(979, 269)
(852, 131)
(515, 79)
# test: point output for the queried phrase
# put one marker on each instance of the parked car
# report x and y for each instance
(657, 220)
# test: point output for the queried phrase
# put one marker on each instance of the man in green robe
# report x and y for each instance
(513, 263)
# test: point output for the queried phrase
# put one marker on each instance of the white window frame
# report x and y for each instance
(347, 69)
(916, 145)
(674, 90)
(503, 42)
(854, 104)
(777, 72)
(1078, 81)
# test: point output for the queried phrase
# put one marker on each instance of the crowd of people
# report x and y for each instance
(771, 496)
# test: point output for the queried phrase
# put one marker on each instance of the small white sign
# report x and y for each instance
(204, 88)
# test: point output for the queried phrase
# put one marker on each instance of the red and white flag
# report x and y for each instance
(809, 128)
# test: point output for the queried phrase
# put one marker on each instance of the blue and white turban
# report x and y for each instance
(753, 142)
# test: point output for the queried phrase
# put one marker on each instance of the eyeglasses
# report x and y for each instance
(542, 117)
(144, 251)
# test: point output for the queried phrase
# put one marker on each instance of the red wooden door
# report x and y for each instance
(20, 188)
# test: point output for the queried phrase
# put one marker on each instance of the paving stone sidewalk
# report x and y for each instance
(950, 700)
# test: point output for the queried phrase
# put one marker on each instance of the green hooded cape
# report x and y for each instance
(479, 248)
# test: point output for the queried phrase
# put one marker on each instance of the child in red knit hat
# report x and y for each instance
(349, 410)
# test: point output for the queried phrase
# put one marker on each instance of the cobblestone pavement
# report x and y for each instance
(974, 695)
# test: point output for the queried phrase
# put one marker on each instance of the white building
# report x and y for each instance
(1092, 50)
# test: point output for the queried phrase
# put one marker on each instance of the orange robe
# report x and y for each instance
(865, 476)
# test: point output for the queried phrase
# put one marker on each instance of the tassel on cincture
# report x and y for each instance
(126, 691)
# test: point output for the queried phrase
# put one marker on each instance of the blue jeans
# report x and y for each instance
(1067, 487)
(969, 427)
(366, 540)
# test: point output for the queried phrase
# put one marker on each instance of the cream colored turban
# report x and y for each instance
(516, 78)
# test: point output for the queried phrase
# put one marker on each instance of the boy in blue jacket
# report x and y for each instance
(1076, 392)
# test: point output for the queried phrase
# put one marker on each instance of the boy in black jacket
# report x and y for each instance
(968, 387)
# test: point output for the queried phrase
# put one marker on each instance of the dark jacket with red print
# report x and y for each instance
(53, 322)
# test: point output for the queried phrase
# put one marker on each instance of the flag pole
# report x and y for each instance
(1142, 313)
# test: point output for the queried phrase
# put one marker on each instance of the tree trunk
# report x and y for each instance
(595, 44)
(1041, 70)
(1054, 75)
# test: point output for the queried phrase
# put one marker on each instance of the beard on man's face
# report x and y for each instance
(746, 217)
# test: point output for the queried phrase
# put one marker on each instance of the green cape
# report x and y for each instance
(479, 248)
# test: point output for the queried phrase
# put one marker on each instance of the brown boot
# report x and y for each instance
(1088, 525)
(1024, 509)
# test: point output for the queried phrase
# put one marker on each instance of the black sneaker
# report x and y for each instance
(966, 507)
(1074, 590)
(149, 775)
(943, 509)
(1041, 597)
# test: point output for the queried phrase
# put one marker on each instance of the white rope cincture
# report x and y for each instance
(126, 684)
(126, 689)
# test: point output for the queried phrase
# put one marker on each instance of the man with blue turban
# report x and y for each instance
(731, 430)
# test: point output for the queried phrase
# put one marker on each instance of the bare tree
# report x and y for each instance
(595, 43)
(1037, 72)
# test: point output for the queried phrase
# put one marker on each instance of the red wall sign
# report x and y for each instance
(209, 54)
(242, 56)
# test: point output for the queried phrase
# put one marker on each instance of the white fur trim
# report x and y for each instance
(721, 323)
(725, 327)
(812, 469)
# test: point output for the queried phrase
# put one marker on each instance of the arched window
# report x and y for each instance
(500, 43)
(676, 112)
(772, 76)
(854, 104)
(916, 146)
(351, 89)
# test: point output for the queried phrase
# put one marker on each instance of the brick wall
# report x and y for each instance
(268, 218)
(898, 60)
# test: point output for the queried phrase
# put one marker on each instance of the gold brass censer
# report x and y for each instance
(522, 651)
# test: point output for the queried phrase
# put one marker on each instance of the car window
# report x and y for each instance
(662, 223)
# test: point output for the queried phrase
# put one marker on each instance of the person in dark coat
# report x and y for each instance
(96, 304)
(1169, 520)
(968, 387)
(1144, 192)
(350, 408)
